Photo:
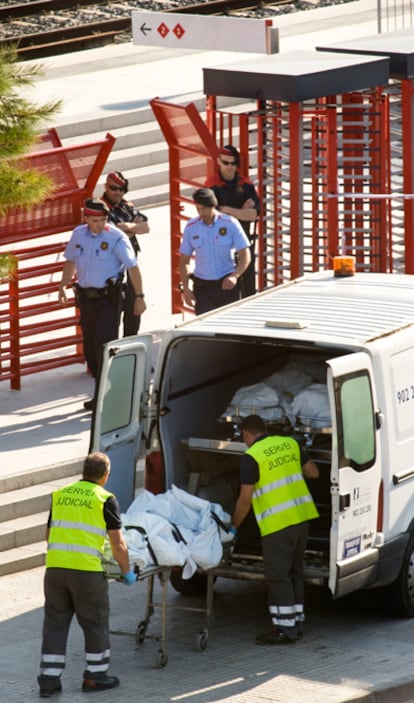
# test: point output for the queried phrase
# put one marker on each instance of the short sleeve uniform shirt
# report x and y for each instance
(214, 245)
(99, 257)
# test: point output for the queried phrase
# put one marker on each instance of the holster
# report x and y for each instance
(76, 292)
(115, 289)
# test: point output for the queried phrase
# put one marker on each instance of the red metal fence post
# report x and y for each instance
(15, 383)
(407, 116)
(296, 196)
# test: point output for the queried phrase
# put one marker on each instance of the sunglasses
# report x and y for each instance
(228, 163)
(115, 187)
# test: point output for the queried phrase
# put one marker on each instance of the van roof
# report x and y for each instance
(320, 307)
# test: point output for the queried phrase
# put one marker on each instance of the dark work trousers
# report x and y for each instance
(210, 295)
(248, 279)
(131, 321)
(283, 559)
(99, 321)
(82, 593)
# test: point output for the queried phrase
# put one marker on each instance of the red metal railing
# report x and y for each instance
(318, 167)
(192, 156)
(36, 333)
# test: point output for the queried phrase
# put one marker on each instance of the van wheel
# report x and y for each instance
(195, 586)
(399, 596)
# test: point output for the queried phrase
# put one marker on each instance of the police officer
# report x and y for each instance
(99, 254)
(124, 215)
(215, 239)
(81, 516)
(272, 483)
(237, 196)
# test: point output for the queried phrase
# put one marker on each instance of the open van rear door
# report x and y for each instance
(121, 417)
(355, 472)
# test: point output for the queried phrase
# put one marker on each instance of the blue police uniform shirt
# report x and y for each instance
(99, 257)
(213, 245)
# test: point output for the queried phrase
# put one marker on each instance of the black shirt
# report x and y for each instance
(234, 193)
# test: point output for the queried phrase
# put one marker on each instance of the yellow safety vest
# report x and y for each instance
(77, 529)
(281, 496)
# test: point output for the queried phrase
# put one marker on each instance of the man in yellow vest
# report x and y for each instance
(81, 516)
(272, 483)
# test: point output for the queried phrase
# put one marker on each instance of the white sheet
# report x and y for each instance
(177, 529)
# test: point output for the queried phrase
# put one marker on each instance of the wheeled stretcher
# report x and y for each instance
(140, 635)
(164, 532)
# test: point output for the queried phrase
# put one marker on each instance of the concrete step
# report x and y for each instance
(94, 124)
(98, 124)
(135, 160)
(23, 531)
(158, 195)
(24, 509)
(134, 135)
(46, 474)
(23, 516)
(29, 501)
(151, 197)
(22, 558)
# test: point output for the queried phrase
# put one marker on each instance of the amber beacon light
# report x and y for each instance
(344, 266)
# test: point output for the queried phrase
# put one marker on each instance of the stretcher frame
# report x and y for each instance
(148, 574)
(246, 567)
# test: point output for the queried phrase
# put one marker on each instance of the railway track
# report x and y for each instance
(42, 28)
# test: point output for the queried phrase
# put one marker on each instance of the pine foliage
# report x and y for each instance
(20, 122)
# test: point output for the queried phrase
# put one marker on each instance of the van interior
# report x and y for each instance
(203, 379)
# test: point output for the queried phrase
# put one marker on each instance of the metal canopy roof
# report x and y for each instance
(398, 46)
(342, 311)
(296, 76)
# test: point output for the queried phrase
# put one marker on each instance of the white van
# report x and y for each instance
(354, 338)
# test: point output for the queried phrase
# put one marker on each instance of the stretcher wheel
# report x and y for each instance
(162, 660)
(201, 641)
(140, 633)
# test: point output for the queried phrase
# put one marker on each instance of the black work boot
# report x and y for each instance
(48, 685)
(98, 682)
(275, 636)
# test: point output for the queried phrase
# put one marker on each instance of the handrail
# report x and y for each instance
(36, 332)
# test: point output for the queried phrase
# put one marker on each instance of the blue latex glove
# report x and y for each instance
(129, 578)
(233, 531)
